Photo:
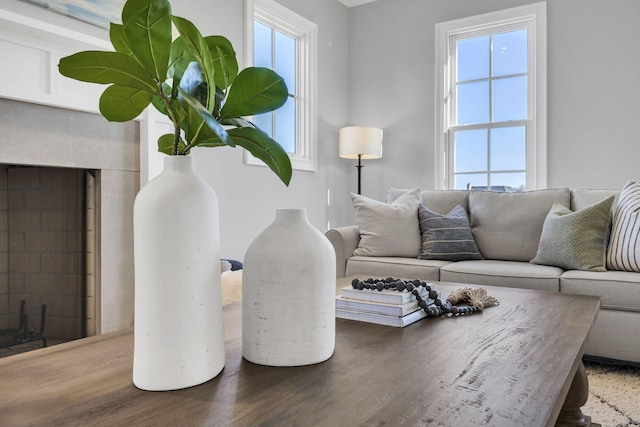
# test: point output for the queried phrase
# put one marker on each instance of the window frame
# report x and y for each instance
(305, 32)
(532, 17)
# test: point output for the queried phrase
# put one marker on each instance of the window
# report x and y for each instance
(281, 40)
(491, 112)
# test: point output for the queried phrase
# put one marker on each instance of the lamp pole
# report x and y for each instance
(359, 166)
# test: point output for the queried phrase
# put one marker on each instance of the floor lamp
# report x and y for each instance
(357, 142)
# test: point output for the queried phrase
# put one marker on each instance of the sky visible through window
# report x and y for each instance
(275, 50)
(491, 89)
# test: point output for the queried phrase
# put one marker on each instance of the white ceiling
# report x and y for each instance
(352, 3)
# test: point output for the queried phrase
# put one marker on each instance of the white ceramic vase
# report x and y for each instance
(178, 328)
(288, 294)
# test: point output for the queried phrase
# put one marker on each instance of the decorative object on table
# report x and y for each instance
(360, 143)
(179, 336)
(194, 81)
(288, 294)
(427, 297)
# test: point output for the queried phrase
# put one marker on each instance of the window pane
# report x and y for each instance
(261, 45)
(508, 148)
(473, 58)
(473, 103)
(285, 59)
(510, 53)
(465, 181)
(265, 123)
(510, 181)
(510, 99)
(286, 126)
(471, 151)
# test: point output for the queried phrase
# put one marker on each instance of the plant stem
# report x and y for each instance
(176, 139)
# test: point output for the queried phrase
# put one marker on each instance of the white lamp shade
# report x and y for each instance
(363, 141)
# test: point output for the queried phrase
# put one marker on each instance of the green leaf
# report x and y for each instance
(179, 59)
(121, 104)
(224, 58)
(237, 122)
(200, 50)
(165, 144)
(208, 119)
(264, 148)
(147, 24)
(255, 91)
(119, 39)
(107, 67)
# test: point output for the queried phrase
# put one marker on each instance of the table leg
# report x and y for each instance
(571, 415)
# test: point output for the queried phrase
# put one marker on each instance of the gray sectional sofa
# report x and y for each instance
(506, 228)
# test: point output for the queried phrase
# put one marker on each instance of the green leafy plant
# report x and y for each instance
(193, 80)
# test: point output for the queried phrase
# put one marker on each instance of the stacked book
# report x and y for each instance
(386, 307)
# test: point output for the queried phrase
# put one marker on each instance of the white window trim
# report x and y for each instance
(288, 22)
(537, 151)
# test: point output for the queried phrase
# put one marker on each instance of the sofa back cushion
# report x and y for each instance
(440, 201)
(507, 226)
(583, 197)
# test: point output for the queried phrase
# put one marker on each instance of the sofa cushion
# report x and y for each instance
(620, 290)
(503, 273)
(583, 197)
(406, 268)
(575, 240)
(507, 226)
(624, 244)
(388, 229)
(446, 237)
(441, 201)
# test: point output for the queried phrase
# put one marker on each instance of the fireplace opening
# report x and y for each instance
(47, 256)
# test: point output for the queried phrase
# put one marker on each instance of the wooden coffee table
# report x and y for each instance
(515, 364)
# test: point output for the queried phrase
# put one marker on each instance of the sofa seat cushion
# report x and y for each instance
(503, 273)
(620, 290)
(507, 226)
(406, 268)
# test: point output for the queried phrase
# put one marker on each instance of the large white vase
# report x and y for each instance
(288, 294)
(178, 328)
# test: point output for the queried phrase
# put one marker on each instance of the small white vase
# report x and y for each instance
(288, 294)
(178, 328)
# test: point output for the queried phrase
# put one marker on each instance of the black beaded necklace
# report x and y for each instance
(433, 305)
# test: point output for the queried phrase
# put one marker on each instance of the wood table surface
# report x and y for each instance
(511, 365)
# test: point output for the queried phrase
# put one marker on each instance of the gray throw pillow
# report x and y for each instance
(388, 229)
(575, 240)
(446, 237)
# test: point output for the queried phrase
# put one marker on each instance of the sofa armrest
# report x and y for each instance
(345, 241)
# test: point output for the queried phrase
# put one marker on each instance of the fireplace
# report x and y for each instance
(71, 250)
(47, 248)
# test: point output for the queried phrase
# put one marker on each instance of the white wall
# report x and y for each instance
(593, 87)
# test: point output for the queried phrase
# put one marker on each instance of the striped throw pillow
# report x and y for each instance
(446, 237)
(624, 245)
